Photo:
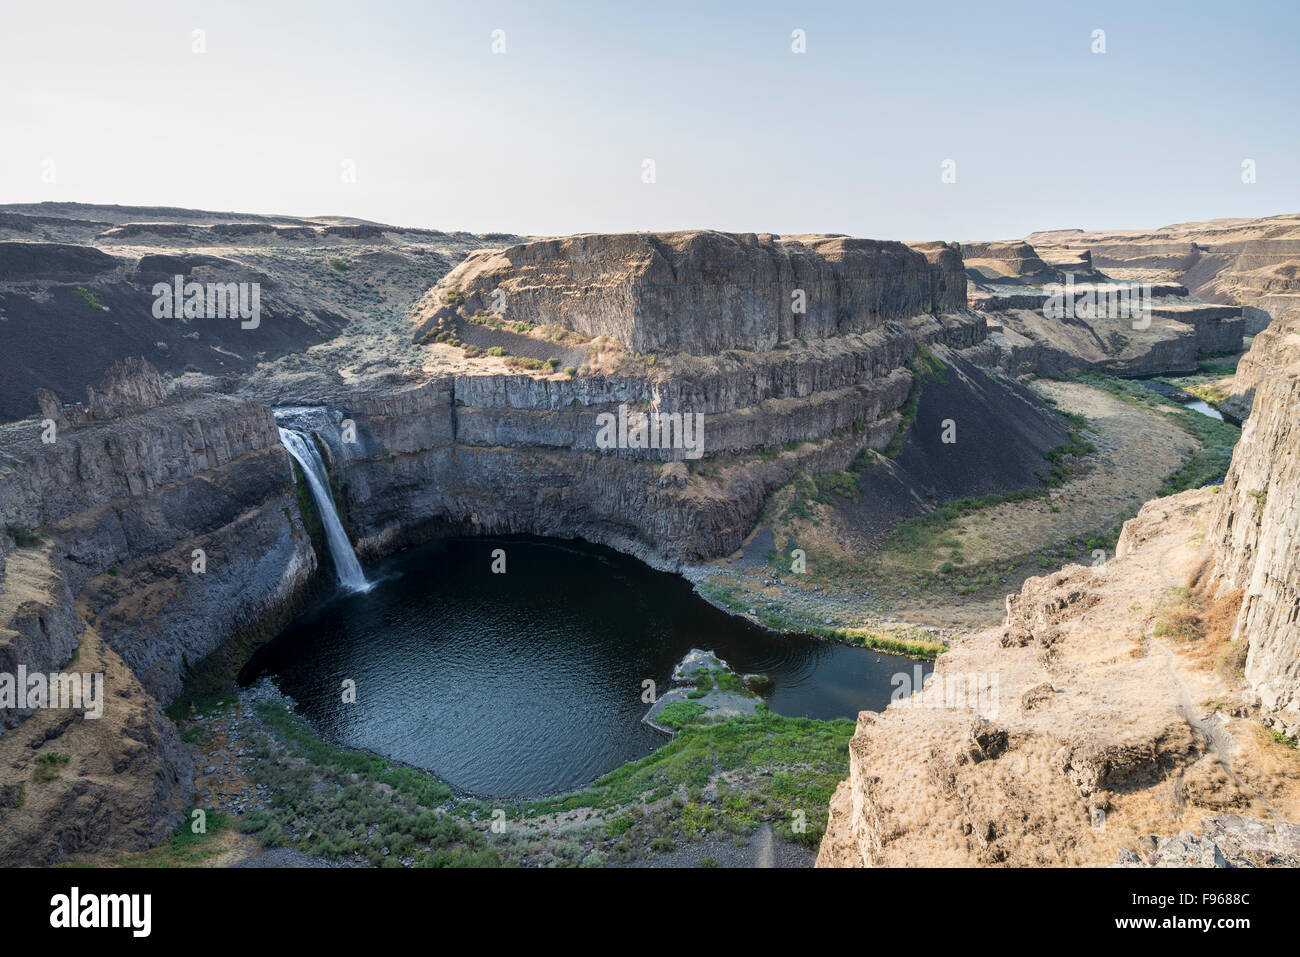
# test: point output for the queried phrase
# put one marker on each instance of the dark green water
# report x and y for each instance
(529, 682)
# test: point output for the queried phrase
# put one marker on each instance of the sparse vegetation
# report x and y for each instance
(23, 536)
(48, 766)
(89, 297)
(1216, 438)
(1179, 616)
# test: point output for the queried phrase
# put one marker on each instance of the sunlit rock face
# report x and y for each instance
(1256, 537)
(702, 291)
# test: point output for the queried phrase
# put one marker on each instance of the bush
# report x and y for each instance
(23, 536)
(89, 297)
(49, 764)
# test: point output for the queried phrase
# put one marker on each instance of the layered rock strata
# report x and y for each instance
(1256, 537)
(1096, 712)
(701, 291)
(163, 529)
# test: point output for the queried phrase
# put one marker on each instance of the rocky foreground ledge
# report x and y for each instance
(1152, 696)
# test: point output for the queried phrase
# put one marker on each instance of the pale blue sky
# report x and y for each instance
(550, 136)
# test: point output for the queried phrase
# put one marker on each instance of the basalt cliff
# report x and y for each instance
(154, 529)
(1134, 713)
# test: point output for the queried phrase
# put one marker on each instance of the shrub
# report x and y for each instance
(49, 764)
(1180, 617)
(89, 297)
(23, 536)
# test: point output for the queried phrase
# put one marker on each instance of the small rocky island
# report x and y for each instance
(705, 689)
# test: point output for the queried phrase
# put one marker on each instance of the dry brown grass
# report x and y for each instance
(604, 354)
(1179, 616)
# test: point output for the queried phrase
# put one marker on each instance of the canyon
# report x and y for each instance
(164, 531)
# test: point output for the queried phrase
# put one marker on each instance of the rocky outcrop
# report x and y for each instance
(1229, 840)
(165, 528)
(77, 295)
(26, 261)
(1077, 724)
(1267, 356)
(1033, 330)
(1004, 262)
(519, 453)
(1256, 536)
(1110, 716)
(1254, 263)
(700, 291)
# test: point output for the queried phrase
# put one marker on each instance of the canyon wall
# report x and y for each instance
(1254, 263)
(518, 453)
(1010, 284)
(164, 529)
(152, 526)
(1090, 723)
(702, 291)
(1256, 537)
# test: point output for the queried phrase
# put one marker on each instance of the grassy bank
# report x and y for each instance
(906, 640)
(1216, 439)
(712, 781)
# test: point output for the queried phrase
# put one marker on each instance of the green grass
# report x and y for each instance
(678, 714)
(1280, 738)
(1216, 439)
(48, 766)
(331, 802)
(301, 743)
(89, 297)
(908, 641)
(184, 848)
(928, 367)
(796, 763)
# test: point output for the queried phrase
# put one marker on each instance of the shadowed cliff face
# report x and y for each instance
(149, 472)
(144, 477)
(167, 527)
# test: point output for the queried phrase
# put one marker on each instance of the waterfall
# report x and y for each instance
(303, 449)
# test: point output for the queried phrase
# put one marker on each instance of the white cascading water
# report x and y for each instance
(303, 449)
